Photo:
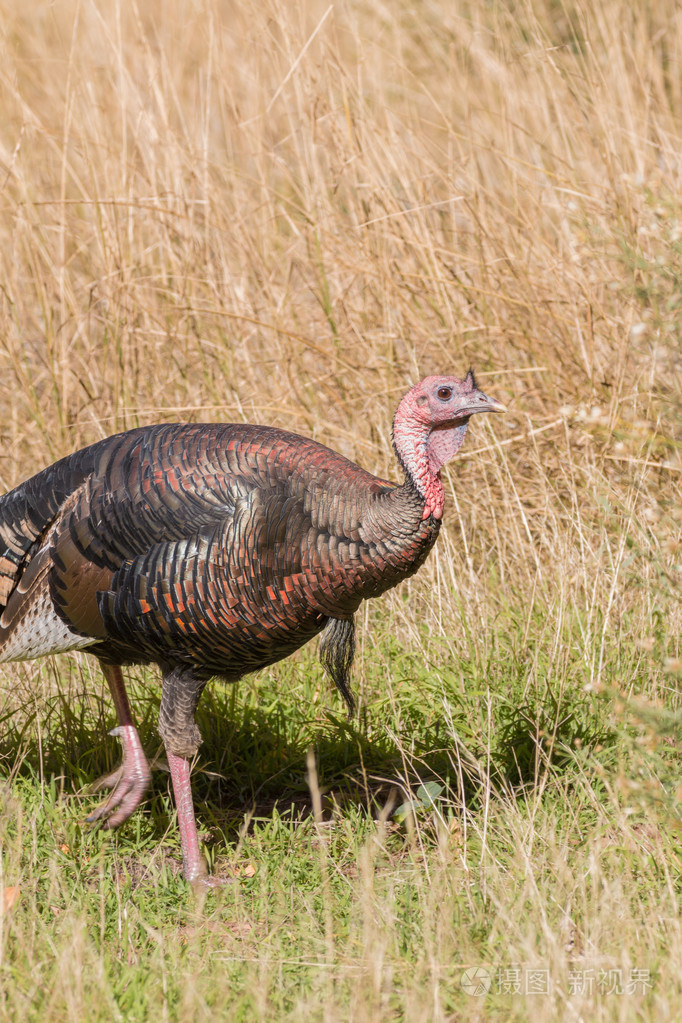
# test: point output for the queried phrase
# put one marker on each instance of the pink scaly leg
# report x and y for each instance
(181, 737)
(131, 780)
(193, 862)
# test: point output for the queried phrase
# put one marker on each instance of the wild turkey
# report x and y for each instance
(214, 550)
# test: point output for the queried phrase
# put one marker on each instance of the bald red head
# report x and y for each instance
(429, 429)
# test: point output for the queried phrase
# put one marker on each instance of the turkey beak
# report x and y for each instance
(480, 402)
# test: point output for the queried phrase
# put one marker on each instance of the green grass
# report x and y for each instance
(351, 894)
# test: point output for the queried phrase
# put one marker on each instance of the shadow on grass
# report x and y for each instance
(535, 739)
(253, 760)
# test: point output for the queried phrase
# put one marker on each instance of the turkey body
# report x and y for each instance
(215, 550)
(218, 548)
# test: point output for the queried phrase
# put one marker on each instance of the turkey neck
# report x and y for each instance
(366, 537)
(400, 524)
(397, 525)
(399, 533)
(423, 450)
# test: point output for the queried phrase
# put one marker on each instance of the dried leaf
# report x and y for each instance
(10, 897)
(244, 870)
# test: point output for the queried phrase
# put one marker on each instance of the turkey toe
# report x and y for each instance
(124, 800)
(129, 782)
(107, 781)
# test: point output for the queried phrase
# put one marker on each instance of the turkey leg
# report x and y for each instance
(193, 862)
(131, 780)
(181, 737)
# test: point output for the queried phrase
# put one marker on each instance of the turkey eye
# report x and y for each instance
(444, 393)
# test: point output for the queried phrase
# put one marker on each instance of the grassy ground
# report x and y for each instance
(254, 212)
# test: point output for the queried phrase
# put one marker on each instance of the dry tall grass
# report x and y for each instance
(288, 213)
(238, 211)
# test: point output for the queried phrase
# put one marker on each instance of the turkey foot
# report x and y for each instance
(129, 782)
(207, 883)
